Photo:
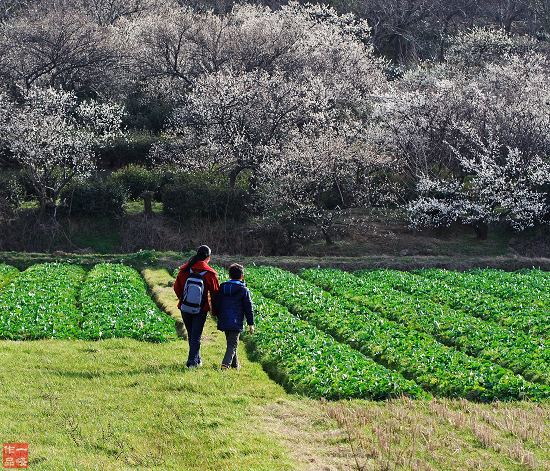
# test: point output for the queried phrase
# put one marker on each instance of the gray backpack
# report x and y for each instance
(193, 292)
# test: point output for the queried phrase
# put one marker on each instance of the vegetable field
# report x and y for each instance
(61, 301)
(480, 335)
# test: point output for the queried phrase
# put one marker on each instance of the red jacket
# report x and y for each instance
(211, 284)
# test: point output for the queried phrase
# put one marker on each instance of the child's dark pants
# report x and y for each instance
(194, 323)
(230, 358)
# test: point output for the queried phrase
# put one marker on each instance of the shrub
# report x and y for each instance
(11, 195)
(194, 196)
(135, 179)
(94, 197)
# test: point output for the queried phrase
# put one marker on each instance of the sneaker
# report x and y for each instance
(225, 367)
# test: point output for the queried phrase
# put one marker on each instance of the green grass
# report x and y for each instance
(119, 404)
(123, 404)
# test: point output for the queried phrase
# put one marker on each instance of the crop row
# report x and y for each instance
(512, 315)
(60, 301)
(305, 360)
(512, 349)
(7, 273)
(41, 302)
(508, 299)
(308, 361)
(115, 303)
(418, 356)
(524, 285)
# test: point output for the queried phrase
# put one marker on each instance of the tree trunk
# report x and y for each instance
(482, 230)
(328, 238)
(233, 175)
(148, 202)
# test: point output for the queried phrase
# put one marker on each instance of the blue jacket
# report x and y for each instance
(233, 305)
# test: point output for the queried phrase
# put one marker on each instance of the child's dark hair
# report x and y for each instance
(203, 252)
(236, 271)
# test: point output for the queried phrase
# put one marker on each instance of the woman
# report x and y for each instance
(196, 277)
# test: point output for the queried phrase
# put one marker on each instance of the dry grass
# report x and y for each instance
(444, 434)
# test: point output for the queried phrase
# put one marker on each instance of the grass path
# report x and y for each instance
(121, 404)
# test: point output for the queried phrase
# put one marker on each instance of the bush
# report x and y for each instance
(136, 179)
(197, 197)
(133, 149)
(94, 197)
(11, 194)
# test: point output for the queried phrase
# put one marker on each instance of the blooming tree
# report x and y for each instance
(473, 49)
(425, 110)
(57, 47)
(267, 76)
(52, 136)
(240, 120)
(493, 184)
(319, 176)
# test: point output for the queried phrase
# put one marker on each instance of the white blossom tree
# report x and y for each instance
(267, 75)
(319, 176)
(58, 47)
(53, 137)
(494, 184)
(240, 120)
(509, 98)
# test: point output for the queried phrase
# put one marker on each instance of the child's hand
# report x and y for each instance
(251, 329)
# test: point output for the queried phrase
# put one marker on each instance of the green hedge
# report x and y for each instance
(198, 198)
(93, 197)
(135, 179)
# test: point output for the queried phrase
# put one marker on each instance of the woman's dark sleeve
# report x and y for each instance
(248, 308)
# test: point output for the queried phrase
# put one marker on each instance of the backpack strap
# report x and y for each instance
(202, 273)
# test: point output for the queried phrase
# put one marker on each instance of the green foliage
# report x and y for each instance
(513, 301)
(115, 303)
(42, 303)
(305, 360)
(94, 197)
(135, 179)
(308, 361)
(11, 191)
(7, 273)
(199, 195)
(510, 348)
(437, 368)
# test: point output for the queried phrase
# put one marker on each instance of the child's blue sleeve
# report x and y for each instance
(248, 308)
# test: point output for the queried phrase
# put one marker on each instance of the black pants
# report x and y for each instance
(194, 323)
(230, 358)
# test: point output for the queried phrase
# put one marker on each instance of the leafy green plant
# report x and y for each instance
(308, 361)
(7, 273)
(418, 356)
(506, 346)
(305, 360)
(520, 301)
(115, 303)
(42, 303)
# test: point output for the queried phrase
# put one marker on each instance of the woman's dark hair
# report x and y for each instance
(203, 252)
(236, 271)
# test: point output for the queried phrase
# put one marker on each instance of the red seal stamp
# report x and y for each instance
(15, 455)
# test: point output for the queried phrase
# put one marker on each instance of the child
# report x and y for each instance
(234, 304)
